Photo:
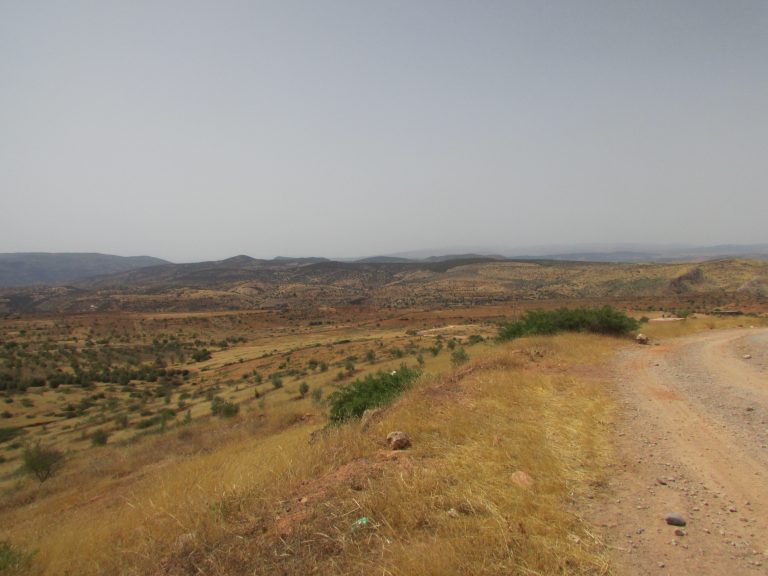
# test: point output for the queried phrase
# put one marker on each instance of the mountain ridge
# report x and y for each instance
(35, 268)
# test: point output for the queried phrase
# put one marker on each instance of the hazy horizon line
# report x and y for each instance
(535, 250)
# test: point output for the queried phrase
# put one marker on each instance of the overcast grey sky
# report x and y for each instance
(197, 130)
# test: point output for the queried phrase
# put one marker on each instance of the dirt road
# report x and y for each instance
(694, 442)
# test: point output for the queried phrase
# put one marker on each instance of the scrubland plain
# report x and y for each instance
(198, 442)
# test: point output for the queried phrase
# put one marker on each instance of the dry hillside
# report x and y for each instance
(244, 283)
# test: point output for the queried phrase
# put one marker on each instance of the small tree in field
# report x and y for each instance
(41, 461)
(303, 389)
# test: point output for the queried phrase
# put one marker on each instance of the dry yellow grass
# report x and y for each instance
(226, 497)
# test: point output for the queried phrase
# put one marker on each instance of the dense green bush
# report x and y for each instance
(605, 320)
(374, 390)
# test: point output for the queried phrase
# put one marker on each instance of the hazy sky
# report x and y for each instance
(195, 130)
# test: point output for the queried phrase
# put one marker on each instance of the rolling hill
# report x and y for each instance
(247, 283)
(30, 268)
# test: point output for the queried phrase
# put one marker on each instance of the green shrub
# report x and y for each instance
(147, 423)
(99, 437)
(201, 355)
(224, 409)
(41, 461)
(303, 389)
(459, 357)
(317, 394)
(681, 312)
(605, 320)
(374, 390)
(9, 434)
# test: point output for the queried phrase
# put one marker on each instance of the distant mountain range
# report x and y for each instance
(93, 270)
(31, 268)
(597, 252)
(682, 254)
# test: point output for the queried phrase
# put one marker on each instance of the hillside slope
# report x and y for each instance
(28, 268)
(246, 283)
(502, 448)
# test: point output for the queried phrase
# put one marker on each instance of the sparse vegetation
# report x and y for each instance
(134, 376)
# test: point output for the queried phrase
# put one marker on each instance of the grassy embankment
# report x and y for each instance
(252, 496)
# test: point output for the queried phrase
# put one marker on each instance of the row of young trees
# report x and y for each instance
(121, 375)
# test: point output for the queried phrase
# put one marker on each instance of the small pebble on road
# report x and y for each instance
(675, 520)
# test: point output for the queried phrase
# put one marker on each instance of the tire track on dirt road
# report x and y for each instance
(693, 441)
